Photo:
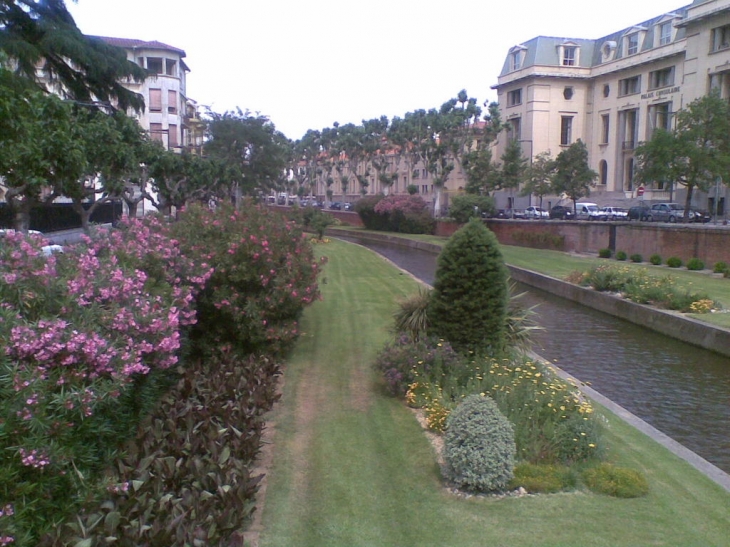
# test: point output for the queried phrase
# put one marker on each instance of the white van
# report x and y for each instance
(587, 211)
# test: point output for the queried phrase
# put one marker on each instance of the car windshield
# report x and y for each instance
(676, 207)
(592, 208)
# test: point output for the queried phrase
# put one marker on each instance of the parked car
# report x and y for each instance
(638, 212)
(699, 215)
(562, 212)
(48, 249)
(348, 206)
(336, 206)
(615, 213)
(536, 213)
(588, 211)
(666, 212)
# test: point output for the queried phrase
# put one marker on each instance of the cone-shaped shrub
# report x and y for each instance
(479, 446)
(469, 303)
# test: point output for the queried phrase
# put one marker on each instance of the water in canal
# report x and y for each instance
(681, 390)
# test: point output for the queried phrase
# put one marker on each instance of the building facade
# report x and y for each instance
(613, 92)
(170, 116)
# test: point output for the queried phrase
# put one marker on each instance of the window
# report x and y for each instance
(566, 130)
(721, 38)
(569, 55)
(416, 174)
(605, 128)
(156, 131)
(154, 64)
(661, 78)
(665, 33)
(629, 86)
(172, 101)
(514, 129)
(424, 188)
(603, 172)
(568, 93)
(155, 100)
(632, 43)
(170, 67)
(172, 140)
(516, 60)
(606, 90)
(629, 122)
(514, 97)
(424, 174)
(660, 116)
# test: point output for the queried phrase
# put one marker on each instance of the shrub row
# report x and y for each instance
(95, 338)
(638, 286)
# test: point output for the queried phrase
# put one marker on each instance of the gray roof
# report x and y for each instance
(543, 50)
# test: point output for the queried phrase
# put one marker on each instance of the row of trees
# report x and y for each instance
(440, 140)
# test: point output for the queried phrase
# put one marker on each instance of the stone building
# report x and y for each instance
(614, 91)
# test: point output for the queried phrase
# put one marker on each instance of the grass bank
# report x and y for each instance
(353, 468)
(559, 264)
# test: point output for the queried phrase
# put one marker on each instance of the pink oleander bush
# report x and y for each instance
(406, 214)
(265, 274)
(82, 332)
(93, 343)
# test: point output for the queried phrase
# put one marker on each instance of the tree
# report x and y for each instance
(539, 176)
(469, 303)
(572, 175)
(253, 151)
(43, 34)
(481, 173)
(466, 206)
(113, 147)
(695, 153)
(40, 150)
(181, 178)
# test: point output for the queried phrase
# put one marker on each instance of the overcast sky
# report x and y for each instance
(309, 63)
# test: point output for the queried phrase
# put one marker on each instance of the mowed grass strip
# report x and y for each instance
(353, 468)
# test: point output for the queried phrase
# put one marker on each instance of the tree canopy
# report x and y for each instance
(572, 176)
(695, 153)
(42, 34)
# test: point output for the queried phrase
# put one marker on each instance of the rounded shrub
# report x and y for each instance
(636, 257)
(720, 267)
(655, 259)
(470, 298)
(621, 255)
(542, 478)
(616, 481)
(479, 446)
(674, 262)
(695, 264)
(604, 253)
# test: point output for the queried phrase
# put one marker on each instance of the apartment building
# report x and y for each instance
(613, 92)
(170, 116)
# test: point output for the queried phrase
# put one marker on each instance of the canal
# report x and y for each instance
(681, 390)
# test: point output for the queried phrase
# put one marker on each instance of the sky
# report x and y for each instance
(306, 64)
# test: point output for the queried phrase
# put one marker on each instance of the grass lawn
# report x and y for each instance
(353, 468)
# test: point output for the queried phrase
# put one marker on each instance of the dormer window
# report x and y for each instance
(568, 54)
(633, 40)
(517, 58)
(665, 33)
(608, 51)
(632, 43)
